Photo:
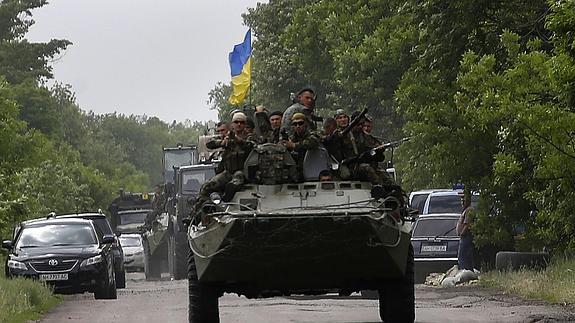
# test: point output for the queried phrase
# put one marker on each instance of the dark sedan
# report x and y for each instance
(435, 243)
(66, 253)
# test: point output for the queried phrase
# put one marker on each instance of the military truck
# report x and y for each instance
(277, 237)
(161, 240)
(128, 211)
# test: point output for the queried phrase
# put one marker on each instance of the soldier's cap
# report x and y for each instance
(276, 113)
(339, 112)
(298, 116)
(234, 111)
(306, 89)
(240, 116)
(368, 118)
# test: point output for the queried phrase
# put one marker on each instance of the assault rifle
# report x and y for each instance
(374, 154)
(354, 122)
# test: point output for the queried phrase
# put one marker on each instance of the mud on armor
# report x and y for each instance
(270, 164)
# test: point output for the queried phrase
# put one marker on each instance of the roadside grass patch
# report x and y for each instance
(22, 300)
(555, 284)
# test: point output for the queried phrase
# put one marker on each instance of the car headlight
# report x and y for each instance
(91, 261)
(17, 265)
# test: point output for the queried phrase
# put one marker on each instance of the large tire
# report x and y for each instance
(152, 266)
(181, 257)
(397, 297)
(203, 298)
(509, 260)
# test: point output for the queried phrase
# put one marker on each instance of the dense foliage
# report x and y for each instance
(485, 89)
(53, 155)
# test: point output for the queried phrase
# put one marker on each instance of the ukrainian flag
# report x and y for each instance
(240, 64)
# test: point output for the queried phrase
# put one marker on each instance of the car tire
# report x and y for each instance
(203, 298)
(510, 260)
(107, 290)
(397, 297)
(121, 278)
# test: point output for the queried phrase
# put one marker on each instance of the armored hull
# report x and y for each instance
(306, 237)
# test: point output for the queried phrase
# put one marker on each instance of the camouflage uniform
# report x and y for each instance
(308, 140)
(267, 134)
(158, 206)
(297, 108)
(233, 158)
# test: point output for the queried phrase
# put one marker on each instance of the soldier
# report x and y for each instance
(300, 141)
(305, 102)
(341, 118)
(237, 146)
(158, 206)
(276, 123)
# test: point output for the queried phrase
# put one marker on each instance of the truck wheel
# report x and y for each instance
(181, 258)
(203, 298)
(152, 267)
(397, 297)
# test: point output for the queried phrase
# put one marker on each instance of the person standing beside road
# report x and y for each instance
(465, 251)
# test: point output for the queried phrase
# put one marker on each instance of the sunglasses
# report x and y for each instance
(239, 121)
(297, 123)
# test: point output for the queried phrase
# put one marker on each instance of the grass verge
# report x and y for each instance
(22, 300)
(555, 284)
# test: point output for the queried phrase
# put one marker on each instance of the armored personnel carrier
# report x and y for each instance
(277, 237)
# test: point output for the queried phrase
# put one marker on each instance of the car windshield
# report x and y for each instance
(176, 158)
(130, 241)
(443, 227)
(445, 204)
(56, 235)
(133, 217)
(191, 181)
(418, 202)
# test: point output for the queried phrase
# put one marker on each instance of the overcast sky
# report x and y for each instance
(152, 57)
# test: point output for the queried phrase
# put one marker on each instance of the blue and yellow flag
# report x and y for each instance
(240, 64)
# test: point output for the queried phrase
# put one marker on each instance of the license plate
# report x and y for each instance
(434, 248)
(51, 277)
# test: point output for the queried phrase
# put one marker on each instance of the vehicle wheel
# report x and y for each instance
(509, 260)
(121, 277)
(152, 268)
(181, 257)
(107, 290)
(203, 298)
(397, 297)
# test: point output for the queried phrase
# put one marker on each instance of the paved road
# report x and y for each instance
(166, 301)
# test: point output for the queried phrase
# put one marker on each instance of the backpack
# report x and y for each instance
(270, 164)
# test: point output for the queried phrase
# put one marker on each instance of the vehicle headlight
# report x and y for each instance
(91, 261)
(17, 265)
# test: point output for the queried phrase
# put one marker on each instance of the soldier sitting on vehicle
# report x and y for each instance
(300, 141)
(303, 103)
(158, 206)
(237, 146)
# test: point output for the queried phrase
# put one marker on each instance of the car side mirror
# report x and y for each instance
(108, 239)
(7, 244)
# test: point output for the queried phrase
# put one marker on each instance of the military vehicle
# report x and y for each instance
(160, 239)
(128, 211)
(278, 238)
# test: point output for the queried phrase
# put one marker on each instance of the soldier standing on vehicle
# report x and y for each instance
(305, 102)
(237, 146)
(465, 251)
(300, 141)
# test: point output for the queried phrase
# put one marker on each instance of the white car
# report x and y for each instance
(133, 251)
(447, 202)
(417, 198)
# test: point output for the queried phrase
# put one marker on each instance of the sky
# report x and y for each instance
(143, 57)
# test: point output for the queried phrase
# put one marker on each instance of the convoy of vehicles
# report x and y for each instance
(77, 259)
